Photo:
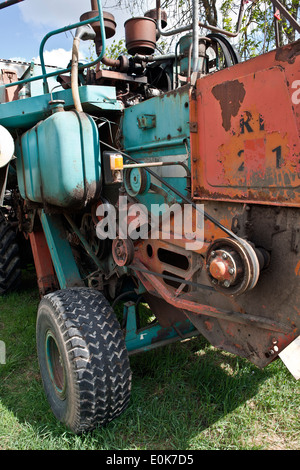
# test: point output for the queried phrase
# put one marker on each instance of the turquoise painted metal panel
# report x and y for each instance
(184, 46)
(158, 130)
(157, 125)
(25, 113)
(65, 266)
(152, 336)
(35, 88)
(58, 161)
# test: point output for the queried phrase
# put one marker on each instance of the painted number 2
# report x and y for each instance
(278, 156)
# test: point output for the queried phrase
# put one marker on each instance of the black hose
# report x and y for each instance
(231, 55)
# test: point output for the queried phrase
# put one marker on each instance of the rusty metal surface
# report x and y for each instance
(10, 76)
(46, 278)
(112, 77)
(140, 35)
(250, 336)
(251, 324)
(246, 145)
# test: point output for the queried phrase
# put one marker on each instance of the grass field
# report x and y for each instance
(186, 396)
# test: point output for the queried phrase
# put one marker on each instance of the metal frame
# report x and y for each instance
(153, 336)
(66, 269)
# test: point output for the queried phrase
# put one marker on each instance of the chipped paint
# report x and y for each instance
(247, 146)
(230, 95)
(297, 269)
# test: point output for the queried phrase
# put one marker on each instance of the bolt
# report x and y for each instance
(226, 284)
(213, 254)
(231, 271)
(224, 256)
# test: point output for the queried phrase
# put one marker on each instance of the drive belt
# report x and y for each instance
(179, 194)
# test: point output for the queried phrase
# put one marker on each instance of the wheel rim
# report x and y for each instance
(55, 365)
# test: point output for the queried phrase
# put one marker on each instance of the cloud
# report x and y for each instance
(56, 13)
(59, 13)
(60, 57)
(57, 57)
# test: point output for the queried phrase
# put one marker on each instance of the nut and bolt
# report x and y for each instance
(275, 343)
(226, 284)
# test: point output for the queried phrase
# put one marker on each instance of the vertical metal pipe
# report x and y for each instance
(277, 41)
(94, 5)
(195, 35)
(67, 28)
(74, 75)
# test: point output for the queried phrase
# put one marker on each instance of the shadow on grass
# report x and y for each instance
(178, 391)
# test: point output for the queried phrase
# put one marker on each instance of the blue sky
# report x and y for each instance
(23, 26)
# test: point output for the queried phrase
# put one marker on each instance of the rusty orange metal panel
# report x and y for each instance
(246, 146)
(46, 277)
(225, 329)
(11, 93)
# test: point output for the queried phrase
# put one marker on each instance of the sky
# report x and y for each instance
(23, 26)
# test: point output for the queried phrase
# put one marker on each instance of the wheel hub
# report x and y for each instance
(55, 365)
(232, 266)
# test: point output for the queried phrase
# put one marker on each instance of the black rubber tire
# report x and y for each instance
(93, 380)
(10, 272)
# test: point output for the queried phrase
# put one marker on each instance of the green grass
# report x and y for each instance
(186, 396)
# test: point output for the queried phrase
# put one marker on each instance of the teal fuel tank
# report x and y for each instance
(58, 160)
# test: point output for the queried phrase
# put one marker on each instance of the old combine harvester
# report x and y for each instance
(111, 170)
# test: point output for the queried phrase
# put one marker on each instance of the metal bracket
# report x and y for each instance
(61, 253)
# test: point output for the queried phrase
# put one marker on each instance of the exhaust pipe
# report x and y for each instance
(83, 33)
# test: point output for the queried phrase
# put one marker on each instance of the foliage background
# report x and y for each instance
(257, 32)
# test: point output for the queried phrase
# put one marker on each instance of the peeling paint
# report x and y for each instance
(230, 94)
(297, 269)
(288, 53)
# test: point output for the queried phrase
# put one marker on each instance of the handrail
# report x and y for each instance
(45, 75)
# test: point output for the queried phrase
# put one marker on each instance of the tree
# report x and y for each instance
(258, 27)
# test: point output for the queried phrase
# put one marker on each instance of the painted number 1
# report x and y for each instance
(279, 159)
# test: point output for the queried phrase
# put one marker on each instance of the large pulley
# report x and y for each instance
(233, 265)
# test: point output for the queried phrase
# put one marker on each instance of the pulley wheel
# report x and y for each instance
(122, 251)
(136, 181)
(232, 266)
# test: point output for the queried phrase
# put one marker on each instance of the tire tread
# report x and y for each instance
(97, 352)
